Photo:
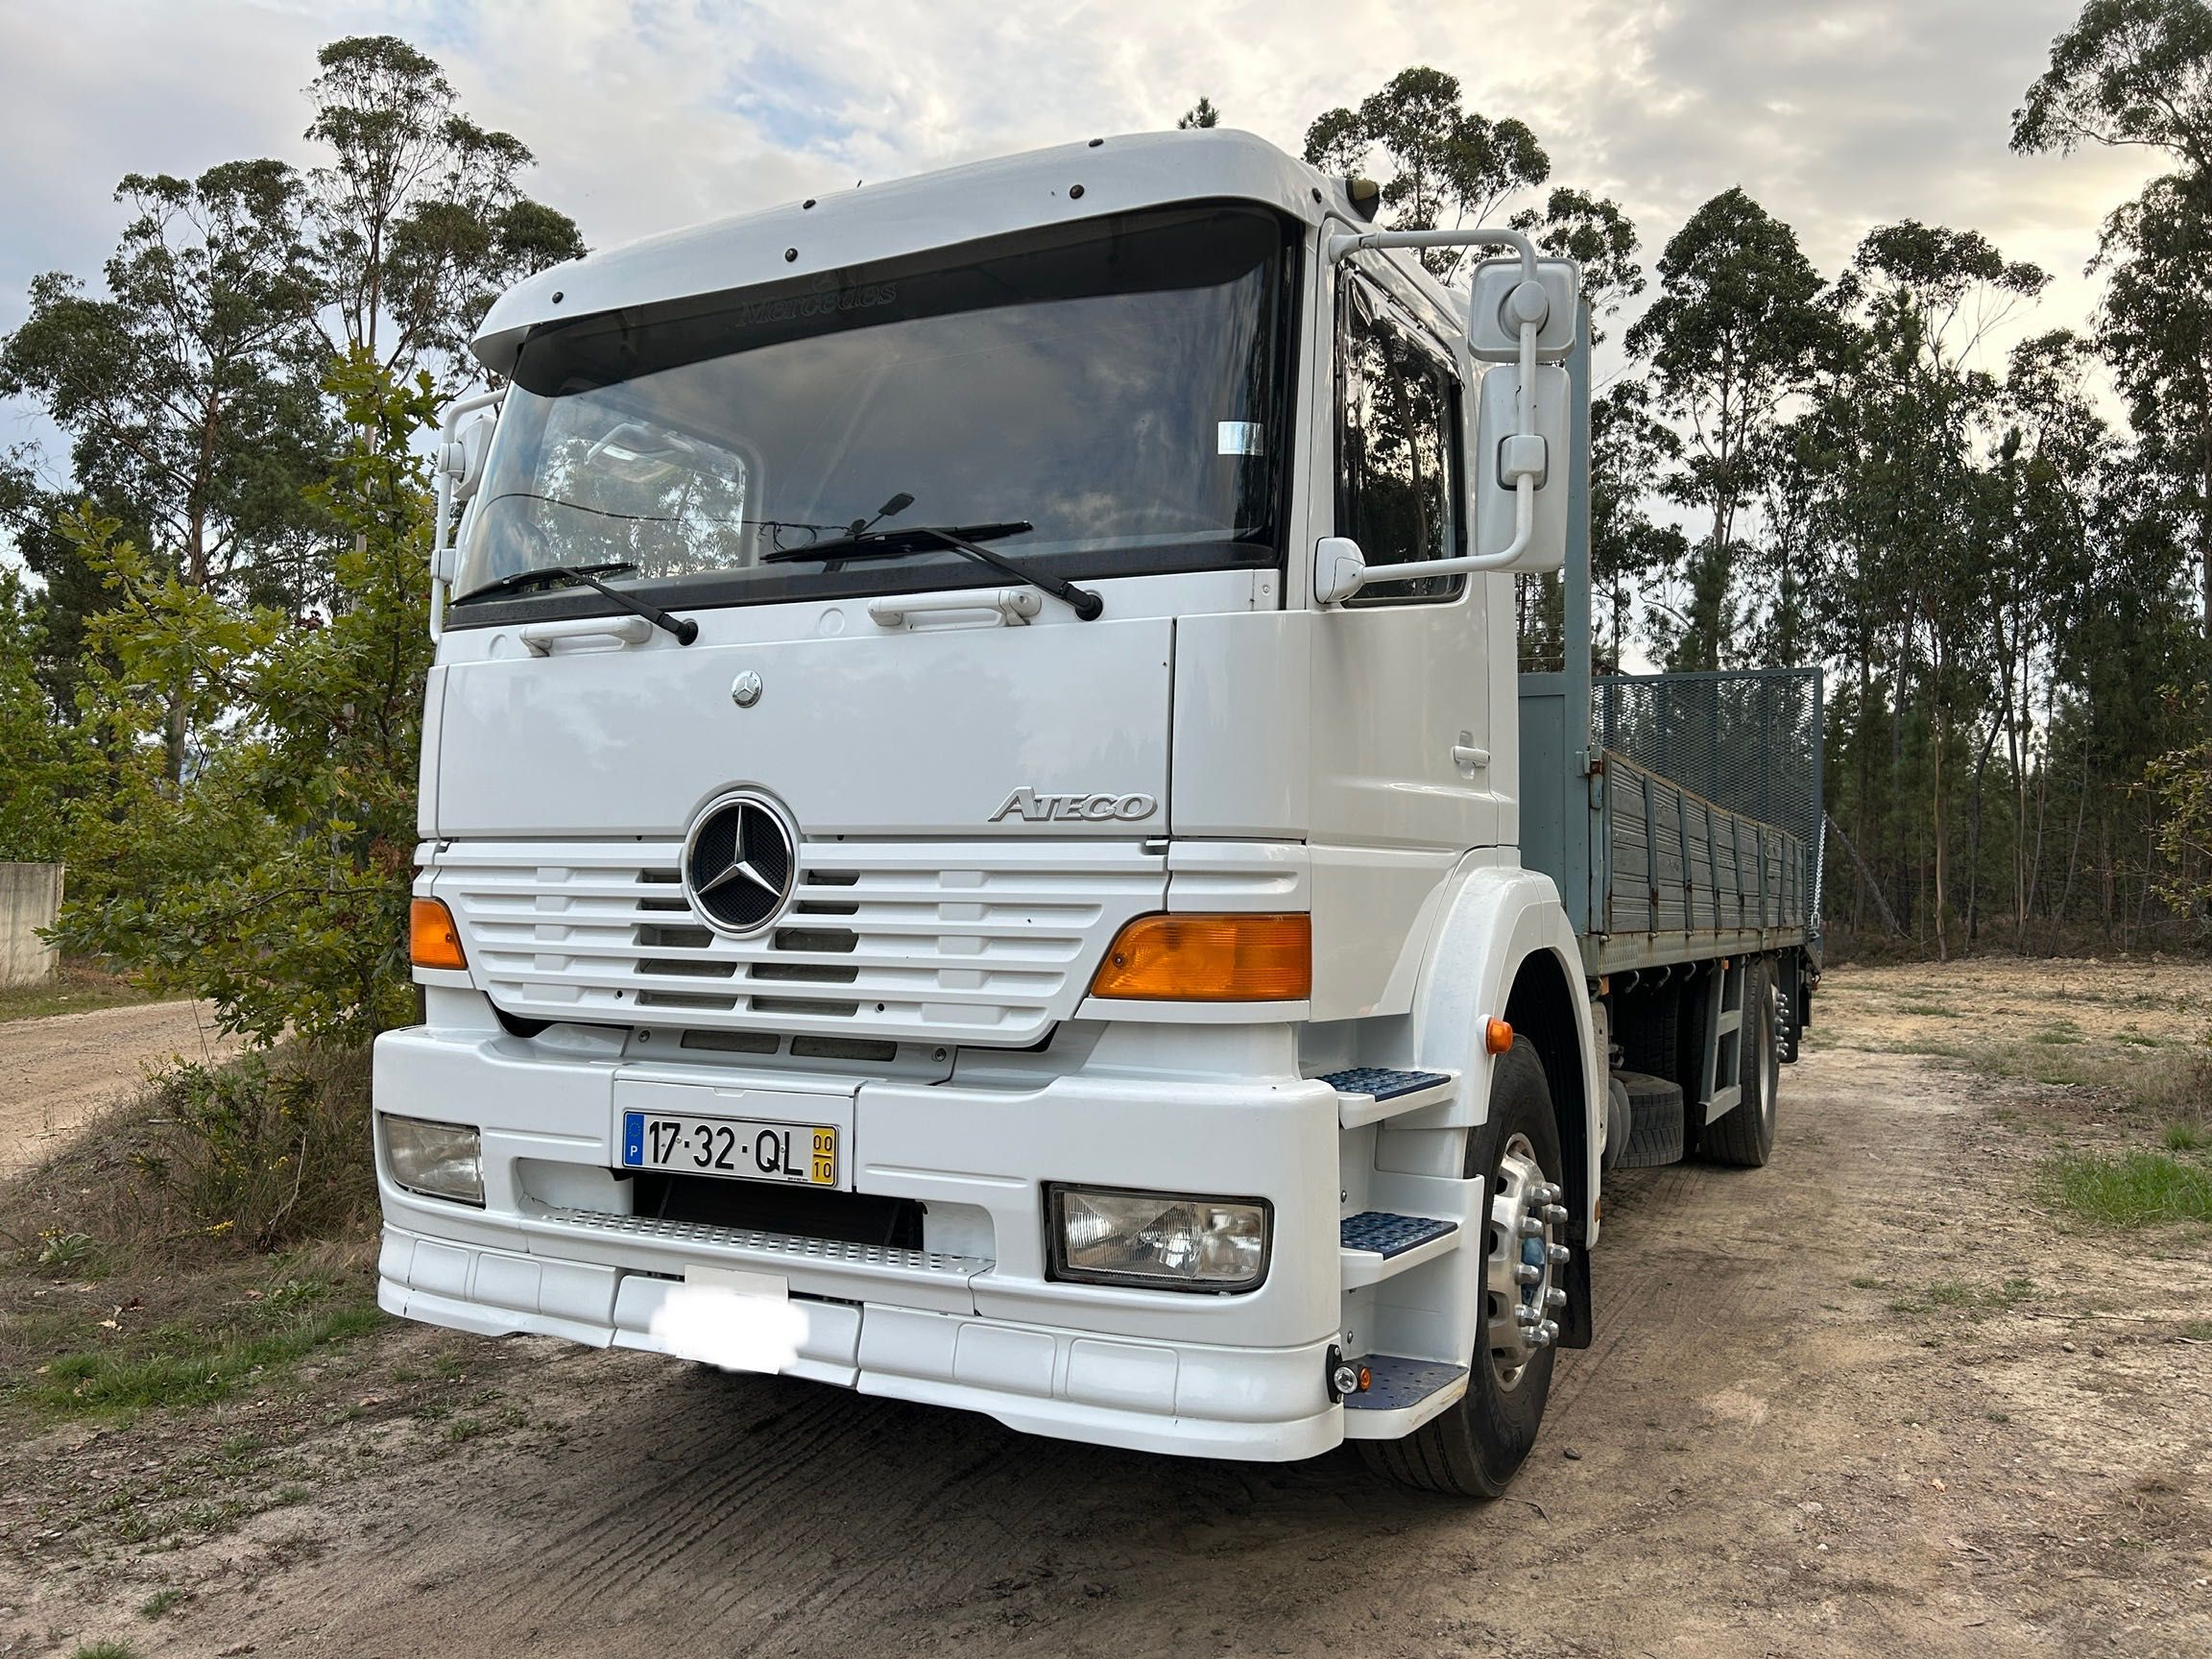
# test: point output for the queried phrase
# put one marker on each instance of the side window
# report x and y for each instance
(1397, 449)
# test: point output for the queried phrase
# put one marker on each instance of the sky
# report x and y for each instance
(1836, 114)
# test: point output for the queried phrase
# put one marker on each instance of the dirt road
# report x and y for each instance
(1867, 1401)
(59, 1071)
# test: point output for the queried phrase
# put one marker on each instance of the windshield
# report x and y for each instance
(1118, 385)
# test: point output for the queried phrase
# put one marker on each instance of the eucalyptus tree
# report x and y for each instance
(189, 392)
(2138, 73)
(1447, 165)
(2129, 72)
(417, 215)
(1931, 296)
(1741, 326)
(1596, 233)
(1628, 550)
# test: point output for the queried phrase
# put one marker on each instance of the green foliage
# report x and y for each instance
(2128, 72)
(275, 885)
(417, 217)
(2133, 1190)
(1740, 325)
(44, 763)
(1444, 159)
(1200, 114)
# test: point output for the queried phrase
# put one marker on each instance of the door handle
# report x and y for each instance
(1014, 605)
(1465, 754)
(540, 637)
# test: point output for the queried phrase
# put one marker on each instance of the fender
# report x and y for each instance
(1498, 917)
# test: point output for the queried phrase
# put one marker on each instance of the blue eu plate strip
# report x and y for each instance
(634, 1140)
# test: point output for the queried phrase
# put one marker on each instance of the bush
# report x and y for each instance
(263, 1152)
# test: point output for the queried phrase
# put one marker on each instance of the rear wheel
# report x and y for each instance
(1745, 1136)
(1473, 1448)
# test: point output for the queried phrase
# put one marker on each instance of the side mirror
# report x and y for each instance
(1495, 306)
(1503, 454)
(1339, 569)
(467, 452)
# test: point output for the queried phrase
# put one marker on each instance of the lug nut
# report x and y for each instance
(1554, 1298)
(1531, 1227)
(1527, 1317)
(1558, 1254)
(1555, 1213)
(1527, 1273)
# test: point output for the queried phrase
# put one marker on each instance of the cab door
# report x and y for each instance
(1401, 686)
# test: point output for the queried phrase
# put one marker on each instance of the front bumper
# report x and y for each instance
(972, 1321)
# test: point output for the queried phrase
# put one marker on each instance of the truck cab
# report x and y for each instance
(973, 815)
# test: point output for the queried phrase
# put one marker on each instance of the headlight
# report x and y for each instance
(1163, 1240)
(441, 1160)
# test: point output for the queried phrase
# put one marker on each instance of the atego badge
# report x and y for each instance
(1040, 809)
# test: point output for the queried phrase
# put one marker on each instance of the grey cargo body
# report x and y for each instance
(1679, 813)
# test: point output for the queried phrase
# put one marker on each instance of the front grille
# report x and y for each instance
(933, 943)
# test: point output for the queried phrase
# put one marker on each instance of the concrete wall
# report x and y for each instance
(29, 895)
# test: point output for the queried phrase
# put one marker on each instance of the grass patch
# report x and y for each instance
(2187, 1136)
(2197, 1329)
(159, 1603)
(189, 1368)
(74, 989)
(2133, 1190)
(1929, 1010)
(105, 1651)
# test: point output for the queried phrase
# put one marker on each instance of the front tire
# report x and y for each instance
(1475, 1446)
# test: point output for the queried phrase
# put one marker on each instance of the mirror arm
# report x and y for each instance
(1479, 236)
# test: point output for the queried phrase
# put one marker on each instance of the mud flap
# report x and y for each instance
(1574, 1321)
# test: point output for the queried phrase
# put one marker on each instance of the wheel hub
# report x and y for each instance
(1526, 1257)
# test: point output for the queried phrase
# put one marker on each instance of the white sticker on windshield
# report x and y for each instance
(1242, 437)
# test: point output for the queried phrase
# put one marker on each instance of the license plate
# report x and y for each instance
(736, 1148)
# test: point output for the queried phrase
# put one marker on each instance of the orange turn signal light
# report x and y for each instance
(1229, 958)
(432, 939)
(1497, 1036)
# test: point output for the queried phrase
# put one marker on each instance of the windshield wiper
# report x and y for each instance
(865, 541)
(555, 575)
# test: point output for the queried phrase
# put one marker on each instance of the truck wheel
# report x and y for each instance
(1745, 1136)
(1474, 1449)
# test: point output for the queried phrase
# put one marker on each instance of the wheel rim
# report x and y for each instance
(1526, 1263)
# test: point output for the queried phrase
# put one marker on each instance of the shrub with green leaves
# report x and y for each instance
(273, 883)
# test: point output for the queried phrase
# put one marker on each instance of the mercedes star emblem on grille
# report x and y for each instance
(740, 863)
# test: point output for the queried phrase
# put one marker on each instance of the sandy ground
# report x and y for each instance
(59, 1071)
(1870, 1400)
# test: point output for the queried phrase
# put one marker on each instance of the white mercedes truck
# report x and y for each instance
(986, 836)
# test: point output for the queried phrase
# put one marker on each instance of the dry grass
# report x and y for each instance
(268, 1150)
(78, 986)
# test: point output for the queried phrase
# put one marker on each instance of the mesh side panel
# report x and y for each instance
(1749, 741)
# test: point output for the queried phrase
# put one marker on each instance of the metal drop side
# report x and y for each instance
(1679, 814)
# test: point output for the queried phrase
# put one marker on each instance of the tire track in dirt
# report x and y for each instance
(1745, 1464)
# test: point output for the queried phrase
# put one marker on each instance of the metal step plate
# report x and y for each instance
(1383, 1082)
(1397, 1383)
(1387, 1235)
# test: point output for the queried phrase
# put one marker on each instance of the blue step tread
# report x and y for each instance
(1383, 1082)
(1388, 1235)
(1398, 1382)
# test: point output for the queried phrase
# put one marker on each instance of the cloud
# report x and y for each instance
(1837, 114)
